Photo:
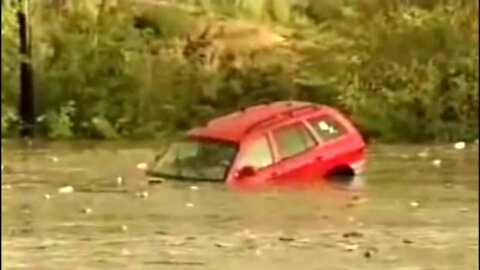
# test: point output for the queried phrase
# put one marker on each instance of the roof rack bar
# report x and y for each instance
(277, 116)
(301, 108)
(245, 108)
(259, 123)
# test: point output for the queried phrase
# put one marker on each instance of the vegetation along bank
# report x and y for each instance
(405, 71)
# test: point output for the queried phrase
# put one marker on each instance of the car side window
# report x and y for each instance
(327, 128)
(257, 154)
(293, 140)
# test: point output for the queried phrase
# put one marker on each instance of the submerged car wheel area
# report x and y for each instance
(275, 144)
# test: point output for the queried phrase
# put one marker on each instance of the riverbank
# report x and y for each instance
(404, 71)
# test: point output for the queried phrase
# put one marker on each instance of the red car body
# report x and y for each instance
(285, 143)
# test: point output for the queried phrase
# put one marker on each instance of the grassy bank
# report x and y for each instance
(404, 71)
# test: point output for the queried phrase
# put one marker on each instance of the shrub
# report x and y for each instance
(403, 70)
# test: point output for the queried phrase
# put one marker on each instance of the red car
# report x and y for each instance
(279, 143)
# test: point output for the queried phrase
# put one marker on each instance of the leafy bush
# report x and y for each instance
(406, 73)
(403, 70)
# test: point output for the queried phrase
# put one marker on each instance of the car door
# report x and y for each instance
(255, 152)
(338, 145)
(294, 145)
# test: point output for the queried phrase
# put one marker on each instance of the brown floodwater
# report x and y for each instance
(412, 213)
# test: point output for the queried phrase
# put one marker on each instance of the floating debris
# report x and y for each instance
(407, 241)
(2, 167)
(448, 185)
(424, 153)
(119, 180)
(170, 262)
(176, 242)
(193, 188)
(351, 219)
(189, 204)
(437, 163)
(304, 241)
(155, 180)
(125, 252)
(391, 258)
(414, 204)
(459, 145)
(223, 245)
(352, 234)
(54, 159)
(142, 166)
(249, 234)
(349, 247)
(7, 187)
(370, 252)
(87, 210)
(66, 190)
(143, 194)
(124, 228)
(464, 209)
(286, 239)
(46, 196)
(357, 200)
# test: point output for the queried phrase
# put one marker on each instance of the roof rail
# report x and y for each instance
(259, 123)
(307, 107)
(244, 108)
(288, 113)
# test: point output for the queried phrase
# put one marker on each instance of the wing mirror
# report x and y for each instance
(244, 172)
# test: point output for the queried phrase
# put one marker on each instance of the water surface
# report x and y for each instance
(411, 214)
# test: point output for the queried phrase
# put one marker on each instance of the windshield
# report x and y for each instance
(197, 160)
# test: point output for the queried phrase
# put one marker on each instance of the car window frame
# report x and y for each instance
(310, 119)
(248, 142)
(235, 145)
(301, 123)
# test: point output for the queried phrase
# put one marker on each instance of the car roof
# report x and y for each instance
(236, 126)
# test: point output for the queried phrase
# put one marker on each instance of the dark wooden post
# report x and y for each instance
(26, 98)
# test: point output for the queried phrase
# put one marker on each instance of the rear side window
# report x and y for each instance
(257, 154)
(293, 140)
(327, 128)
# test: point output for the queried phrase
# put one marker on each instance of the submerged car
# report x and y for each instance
(272, 144)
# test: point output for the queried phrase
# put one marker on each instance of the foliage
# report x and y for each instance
(9, 81)
(404, 70)
(412, 76)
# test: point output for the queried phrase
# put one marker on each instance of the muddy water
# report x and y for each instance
(411, 214)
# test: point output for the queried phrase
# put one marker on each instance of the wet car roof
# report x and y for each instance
(235, 126)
